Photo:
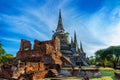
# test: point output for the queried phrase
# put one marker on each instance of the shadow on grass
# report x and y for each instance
(115, 78)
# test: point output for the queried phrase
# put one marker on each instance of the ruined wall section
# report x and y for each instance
(44, 60)
(41, 48)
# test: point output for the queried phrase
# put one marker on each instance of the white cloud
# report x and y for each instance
(97, 31)
(104, 29)
(114, 38)
(11, 39)
(25, 26)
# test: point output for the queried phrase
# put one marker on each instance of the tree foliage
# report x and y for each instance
(92, 60)
(110, 55)
(4, 57)
(2, 51)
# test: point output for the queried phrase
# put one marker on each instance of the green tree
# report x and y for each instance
(7, 57)
(4, 57)
(109, 55)
(92, 60)
(2, 51)
(100, 57)
(113, 54)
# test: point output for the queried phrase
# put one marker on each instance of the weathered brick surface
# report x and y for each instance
(40, 48)
(39, 74)
(44, 60)
(25, 45)
(5, 71)
(34, 67)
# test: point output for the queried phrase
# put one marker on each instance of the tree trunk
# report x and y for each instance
(114, 65)
(103, 65)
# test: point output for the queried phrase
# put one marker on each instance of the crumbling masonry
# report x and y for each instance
(44, 60)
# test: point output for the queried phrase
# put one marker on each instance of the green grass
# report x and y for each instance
(107, 74)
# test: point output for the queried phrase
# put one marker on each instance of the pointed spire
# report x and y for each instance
(81, 48)
(75, 42)
(75, 38)
(72, 43)
(60, 27)
(60, 14)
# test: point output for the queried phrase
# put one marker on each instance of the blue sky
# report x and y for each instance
(97, 22)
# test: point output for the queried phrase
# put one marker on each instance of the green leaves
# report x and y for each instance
(4, 57)
(108, 55)
(2, 51)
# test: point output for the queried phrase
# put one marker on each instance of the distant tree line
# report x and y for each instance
(107, 57)
(4, 57)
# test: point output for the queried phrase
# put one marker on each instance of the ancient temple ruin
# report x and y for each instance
(46, 58)
(70, 49)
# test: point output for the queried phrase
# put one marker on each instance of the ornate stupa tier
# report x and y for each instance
(71, 50)
(60, 28)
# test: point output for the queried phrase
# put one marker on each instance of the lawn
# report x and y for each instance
(107, 74)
